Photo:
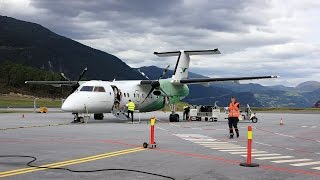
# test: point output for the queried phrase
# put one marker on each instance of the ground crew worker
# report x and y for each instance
(233, 117)
(131, 107)
(186, 110)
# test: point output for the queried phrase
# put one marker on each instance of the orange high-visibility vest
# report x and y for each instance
(234, 111)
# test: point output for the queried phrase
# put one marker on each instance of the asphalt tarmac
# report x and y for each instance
(185, 150)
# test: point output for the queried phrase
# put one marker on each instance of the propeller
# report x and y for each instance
(143, 74)
(156, 84)
(75, 86)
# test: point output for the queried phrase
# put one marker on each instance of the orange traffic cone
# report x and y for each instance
(281, 122)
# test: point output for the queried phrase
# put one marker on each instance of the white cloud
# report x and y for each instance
(256, 37)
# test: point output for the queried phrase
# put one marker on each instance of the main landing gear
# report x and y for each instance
(174, 117)
(98, 116)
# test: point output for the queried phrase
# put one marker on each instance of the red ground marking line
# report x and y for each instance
(274, 168)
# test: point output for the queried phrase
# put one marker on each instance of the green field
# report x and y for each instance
(27, 102)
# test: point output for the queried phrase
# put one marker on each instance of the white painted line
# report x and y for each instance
(316, 168)
(191, 136)
(196, 128)
(227, 148)
(317, 153)
(306, 164)
(219, 146)
(274, 157)
(313, 126)
(304, 126)
(174, 125)
(290, 149)
(260, 155)
(318, 141)
(161, 129)
(200, 140)
(216, 142)
(253, 152)
(224, 147)
(221, 129)
(263, 144)
(232, 150)
(232, 141)
(291, 160)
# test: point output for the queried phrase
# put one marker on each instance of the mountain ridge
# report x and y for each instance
(34, 45)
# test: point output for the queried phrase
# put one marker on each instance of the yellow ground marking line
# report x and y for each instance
(70, 162)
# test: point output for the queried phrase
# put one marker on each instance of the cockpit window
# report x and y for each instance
(99, 89)
(87, 88)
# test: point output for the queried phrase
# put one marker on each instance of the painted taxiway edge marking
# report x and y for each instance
(70, 162)
(291, 160)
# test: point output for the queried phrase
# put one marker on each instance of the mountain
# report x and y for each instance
(308, 86)
(34, 45)
(304, 95)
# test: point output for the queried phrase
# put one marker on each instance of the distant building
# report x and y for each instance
(317, 104)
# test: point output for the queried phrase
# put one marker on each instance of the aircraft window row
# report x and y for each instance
(91, 88)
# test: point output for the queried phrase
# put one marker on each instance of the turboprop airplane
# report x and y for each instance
(98, 97)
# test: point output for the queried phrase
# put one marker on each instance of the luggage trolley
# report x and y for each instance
(206, 112)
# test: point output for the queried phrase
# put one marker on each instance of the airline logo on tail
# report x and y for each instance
(183, 69)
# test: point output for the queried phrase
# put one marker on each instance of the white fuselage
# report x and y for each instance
(100, 96)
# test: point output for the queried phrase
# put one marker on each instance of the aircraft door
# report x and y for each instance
(138, 96)
(118, 110)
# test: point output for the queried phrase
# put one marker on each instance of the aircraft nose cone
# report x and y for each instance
(67, 106)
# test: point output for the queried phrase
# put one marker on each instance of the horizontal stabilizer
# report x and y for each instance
(196, 52)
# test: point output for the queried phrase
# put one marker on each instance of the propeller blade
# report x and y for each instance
(143, 74)
(164, 71)
(83, 72)
(148, 95)
(65, 77)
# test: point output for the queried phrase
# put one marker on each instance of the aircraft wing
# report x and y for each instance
(53, 83)
(207, 80)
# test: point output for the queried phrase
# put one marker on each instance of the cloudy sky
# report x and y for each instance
(255, 37)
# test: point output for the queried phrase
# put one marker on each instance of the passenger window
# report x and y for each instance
(134, 94)
(124, 94)
(87, 88)
(110, 93)
(128, 94)
(99, 89)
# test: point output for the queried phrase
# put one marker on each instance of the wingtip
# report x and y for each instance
(275, 76)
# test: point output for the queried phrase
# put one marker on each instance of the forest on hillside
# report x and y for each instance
(13, 77)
